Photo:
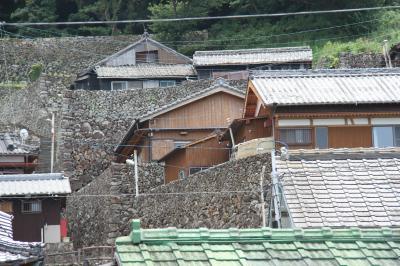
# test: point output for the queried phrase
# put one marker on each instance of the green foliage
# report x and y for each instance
(13, 85)
(36, 11)
(326, 33)
(35, 71)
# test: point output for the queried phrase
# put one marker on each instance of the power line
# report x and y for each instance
(221, 39)
(105, 22)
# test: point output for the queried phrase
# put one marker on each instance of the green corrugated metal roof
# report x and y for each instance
(262, 246)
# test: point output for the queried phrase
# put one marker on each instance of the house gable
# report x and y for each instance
(213, 111)
(144, 50)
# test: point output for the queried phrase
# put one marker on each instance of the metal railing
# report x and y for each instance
(82, 256)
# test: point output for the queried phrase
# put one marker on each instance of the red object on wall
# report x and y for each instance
(63, 227)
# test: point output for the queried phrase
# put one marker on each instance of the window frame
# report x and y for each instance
(395, 139)
(31, 202)
(167, 81)
(183, 142)
(119, 81)
(316, 137)
(309, 129)
(145, 56)
(202, 168)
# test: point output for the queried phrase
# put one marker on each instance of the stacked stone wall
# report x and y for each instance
(227, 195)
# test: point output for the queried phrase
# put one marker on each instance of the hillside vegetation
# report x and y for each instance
(328, 34)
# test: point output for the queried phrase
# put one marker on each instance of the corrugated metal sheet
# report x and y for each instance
(342, 192)
(10, 144)
(328, 87)
(6, 225)
(34, 184)
(146, 71)
(252, 56)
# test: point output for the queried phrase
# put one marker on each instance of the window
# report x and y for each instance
(167, 83)
(180, 144)
(118, 85)
(321, 137)
(181, 174)
(32, 206)
(146, 57)
(386, 136)
(6, 206)
(299, 136)
(193, 170)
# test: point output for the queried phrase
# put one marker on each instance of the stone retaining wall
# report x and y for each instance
(227, 195)
(94, 122)
(92, 220)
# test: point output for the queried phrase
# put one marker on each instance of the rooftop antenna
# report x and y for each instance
(145, 33)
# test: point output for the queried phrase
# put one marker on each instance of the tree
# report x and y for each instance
(36, 11)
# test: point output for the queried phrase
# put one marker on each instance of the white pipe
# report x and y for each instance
(262, 197)
(136, 173)
(52, 142)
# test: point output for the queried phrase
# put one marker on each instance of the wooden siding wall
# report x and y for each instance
(203, 154)
(162, 142)
(212, 111)
(129, 57)
(347, 136)
(253, 129)
(350, 136)
(26, 226)
(174, 164)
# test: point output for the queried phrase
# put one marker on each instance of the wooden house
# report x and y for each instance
(195, 157)
(177, 124)
(143, 64)
(15, 156)
(36, 201)
(328, 108)
(235, 64)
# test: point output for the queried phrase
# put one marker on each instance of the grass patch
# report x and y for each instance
(13, 85)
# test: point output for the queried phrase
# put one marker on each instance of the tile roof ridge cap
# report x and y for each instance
(204, 235)
(269, 49)
(347, 72)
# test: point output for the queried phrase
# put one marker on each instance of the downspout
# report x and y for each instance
(232, 138)
(275, 190)
(274, 105)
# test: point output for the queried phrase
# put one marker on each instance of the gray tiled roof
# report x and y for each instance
(10, 144)
(342, 192)
(16, 251)
(343, 86)
(252, 56)
(146, 71)
(34, 184)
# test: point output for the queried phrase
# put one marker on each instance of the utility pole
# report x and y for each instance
(134, 163)
(275, 191)
(262, 197)
(386, 54)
